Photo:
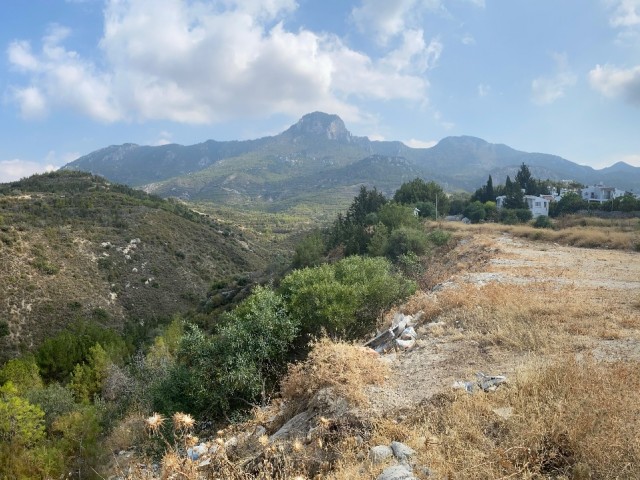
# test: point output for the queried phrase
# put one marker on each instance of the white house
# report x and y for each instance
(600, 194)
(538, 205)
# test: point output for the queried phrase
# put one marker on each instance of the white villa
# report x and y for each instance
(600, 194)
(538, 205)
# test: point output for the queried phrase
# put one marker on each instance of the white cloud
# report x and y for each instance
(414, 143)
(164, 139)
(12, 170)
(483, 90)
(199, 62)
(626, 13)
(468, 39)
(547, 89)
(612, 82)
(59, 78)
(386, 19)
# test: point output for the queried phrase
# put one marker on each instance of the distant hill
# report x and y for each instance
(73, 245)
(318, 160)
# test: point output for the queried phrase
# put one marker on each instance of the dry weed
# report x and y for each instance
(343, 367)
(538, 317)
(578, 233)
(567, 419)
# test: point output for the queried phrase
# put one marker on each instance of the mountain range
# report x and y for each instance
(318, 161)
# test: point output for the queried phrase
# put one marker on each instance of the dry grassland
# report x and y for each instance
(585, 232)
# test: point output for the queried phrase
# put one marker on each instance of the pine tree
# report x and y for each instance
(526, 180)
(515, 197)
(489, 193)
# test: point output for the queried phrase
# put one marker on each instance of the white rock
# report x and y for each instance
(402, 451)
(397, 472)
(379, 453)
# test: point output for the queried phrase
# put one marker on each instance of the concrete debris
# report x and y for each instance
(486, 383)
(490, 383)
(194, 453)
(400, 336)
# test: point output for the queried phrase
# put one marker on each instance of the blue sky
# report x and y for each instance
(552, 76)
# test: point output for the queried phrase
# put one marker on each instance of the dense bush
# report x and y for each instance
(439, 237)
(394, 215)
(57, 356)
(343, 299)
(231, 368)
(543, 222)
(405, 240)
(475, 212)
(417, 191)
(309, 251)
(512, 216)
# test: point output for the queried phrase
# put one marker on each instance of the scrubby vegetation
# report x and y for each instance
(85, 390)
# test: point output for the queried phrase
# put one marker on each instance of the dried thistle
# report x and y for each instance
(182, 421)
(154, 423)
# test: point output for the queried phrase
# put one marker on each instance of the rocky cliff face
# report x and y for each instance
(321, 124)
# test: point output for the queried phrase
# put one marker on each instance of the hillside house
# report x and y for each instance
(537, 205)
(600, 194)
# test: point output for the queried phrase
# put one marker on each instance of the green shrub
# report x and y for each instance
(524, 214)
(87, 378)
(78, 432)
(411, 265)
(54, 399)
(21, 423)
(475, 212)
(231, 368)
(309, 251)
(427, 209)
(405, 240)
(508, 216)
(343, 299)
(379, 243)
(439, 237)
(543, 222)
(45, 266)
(395, 215)
(23, 373)
(58, 355)
(512, 216)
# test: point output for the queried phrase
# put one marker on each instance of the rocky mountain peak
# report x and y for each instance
(321, 124)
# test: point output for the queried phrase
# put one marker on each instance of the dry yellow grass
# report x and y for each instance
(566, 420)
(537, 317)
(345, 368)
(594, 233)
(571, 419)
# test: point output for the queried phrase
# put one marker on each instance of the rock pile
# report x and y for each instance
(400, 336)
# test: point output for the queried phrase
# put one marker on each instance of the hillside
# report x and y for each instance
(76, 246)
(317, 160)
(564, 345)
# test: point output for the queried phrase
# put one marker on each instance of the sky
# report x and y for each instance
(550, 76)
